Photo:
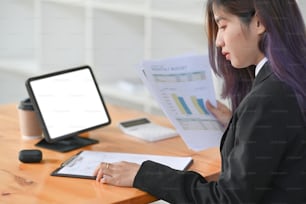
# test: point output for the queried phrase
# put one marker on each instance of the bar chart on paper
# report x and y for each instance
(198, 104)
(181, 104)
(191, 112)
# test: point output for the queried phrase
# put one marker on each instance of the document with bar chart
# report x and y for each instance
(182, 85)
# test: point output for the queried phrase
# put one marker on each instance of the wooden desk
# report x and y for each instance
(32, 183)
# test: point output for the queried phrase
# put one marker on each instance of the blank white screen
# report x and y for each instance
(69, 102)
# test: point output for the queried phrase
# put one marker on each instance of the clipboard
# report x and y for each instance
(84, 163)
(57, 172)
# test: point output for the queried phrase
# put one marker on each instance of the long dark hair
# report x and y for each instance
(283, 43)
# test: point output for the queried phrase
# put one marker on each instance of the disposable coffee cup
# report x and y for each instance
(29, 124)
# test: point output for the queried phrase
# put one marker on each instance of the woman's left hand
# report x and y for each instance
(117, 174)
(221, 112)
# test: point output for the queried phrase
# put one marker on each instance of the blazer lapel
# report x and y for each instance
(263, 74)
(225, 133)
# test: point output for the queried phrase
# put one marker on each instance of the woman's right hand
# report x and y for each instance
(117, 174)
(221, 112)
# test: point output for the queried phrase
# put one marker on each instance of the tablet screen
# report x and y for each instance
(68, 102)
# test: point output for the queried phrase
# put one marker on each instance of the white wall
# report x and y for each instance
(113, 36)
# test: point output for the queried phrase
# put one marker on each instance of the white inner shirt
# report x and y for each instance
(260, 65)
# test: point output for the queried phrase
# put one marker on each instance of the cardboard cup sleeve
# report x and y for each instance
(29, 124)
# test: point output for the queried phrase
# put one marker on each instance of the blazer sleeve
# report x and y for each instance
(174, 186)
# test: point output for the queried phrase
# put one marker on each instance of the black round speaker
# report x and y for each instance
(30, 156)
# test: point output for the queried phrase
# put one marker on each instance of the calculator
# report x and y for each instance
(143, 128)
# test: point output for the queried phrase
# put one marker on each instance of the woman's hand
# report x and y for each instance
(117, 174)
(221, 112)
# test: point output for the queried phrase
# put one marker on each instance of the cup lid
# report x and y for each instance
(26, 104)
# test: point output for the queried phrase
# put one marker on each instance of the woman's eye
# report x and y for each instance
(222, 27)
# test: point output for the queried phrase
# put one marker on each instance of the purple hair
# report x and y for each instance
(283, 43)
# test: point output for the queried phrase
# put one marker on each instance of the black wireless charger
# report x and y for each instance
(30, 156)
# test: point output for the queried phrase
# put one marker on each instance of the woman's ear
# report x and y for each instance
(260, 28)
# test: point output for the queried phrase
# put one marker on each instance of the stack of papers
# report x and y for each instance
(181, 85)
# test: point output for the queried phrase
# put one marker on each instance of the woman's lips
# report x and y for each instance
(227, 55)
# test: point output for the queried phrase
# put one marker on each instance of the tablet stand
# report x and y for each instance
(68, 144)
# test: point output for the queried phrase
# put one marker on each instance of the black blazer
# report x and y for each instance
(263, 153)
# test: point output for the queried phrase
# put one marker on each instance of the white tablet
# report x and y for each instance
(67, 103)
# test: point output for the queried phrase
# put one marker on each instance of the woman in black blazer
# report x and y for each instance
(259, 48)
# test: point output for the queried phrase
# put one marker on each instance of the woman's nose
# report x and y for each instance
(219, 40)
